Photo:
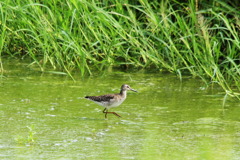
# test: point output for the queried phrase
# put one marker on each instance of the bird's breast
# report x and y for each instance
(116, 102)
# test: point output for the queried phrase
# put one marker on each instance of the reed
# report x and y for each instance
(86, 35)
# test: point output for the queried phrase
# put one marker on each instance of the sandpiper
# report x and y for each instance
(111, 100)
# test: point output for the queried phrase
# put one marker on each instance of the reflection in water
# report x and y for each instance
(167, 119)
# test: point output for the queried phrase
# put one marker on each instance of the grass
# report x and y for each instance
(29, 139)
(197, 38)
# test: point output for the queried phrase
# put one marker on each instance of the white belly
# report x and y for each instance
(112, 103)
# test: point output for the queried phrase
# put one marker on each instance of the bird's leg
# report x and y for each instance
(115, 114)
(106, 112)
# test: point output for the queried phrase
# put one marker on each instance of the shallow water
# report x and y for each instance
(44, 116)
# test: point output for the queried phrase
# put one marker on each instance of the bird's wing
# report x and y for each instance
(102, 98)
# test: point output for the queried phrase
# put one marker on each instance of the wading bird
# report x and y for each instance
(111, 100)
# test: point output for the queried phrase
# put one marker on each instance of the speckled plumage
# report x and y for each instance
(111, 100)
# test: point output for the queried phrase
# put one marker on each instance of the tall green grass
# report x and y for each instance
(200, 39)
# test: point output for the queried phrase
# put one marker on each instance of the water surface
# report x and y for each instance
(44, 116)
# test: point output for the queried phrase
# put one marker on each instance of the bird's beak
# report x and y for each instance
(133, 90)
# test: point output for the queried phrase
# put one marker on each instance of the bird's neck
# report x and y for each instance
(123, 93)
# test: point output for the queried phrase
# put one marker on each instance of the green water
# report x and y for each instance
(44, 116)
